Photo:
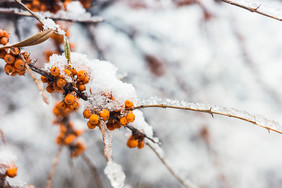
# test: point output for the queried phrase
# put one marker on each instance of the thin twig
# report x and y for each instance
(107, 138)
(94, 170)
(54, 165)
(39, 85)
(209, 111)
(92, 20)
(184, 183)
(136, 131)
(3, 137)
(255, 10)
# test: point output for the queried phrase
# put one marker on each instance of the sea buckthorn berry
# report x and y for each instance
(132, 143)
(81, 87)
(1, 33)
(9, 69)
(5, 34)
(128, 104)
(19, 64)
(12, 171)
(141, 144)
(9, 59)
(50, 88)
(81, 74)
(63, 128)
(21, 72)
(26, 57)
(130, 117)
(44, 79)
(94, 119)
(3, 52)
(105, 114)
(55, 71)
(69, 98)
(73, 71)
(90, 125)
(85, 80)
(56, 111)
(67, 72)
(61, 82)
(69, 139)
(4, 40)
(78, 132)
(123, 121)
(73, 106)
(14, 51)
(62, 105)
(86, 113)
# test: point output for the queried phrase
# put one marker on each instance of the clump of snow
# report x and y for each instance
(140, 124)
(75, 7)
(103, 81)
(115, 174)
(50, 24)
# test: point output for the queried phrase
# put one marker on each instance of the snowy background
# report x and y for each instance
(210, 52)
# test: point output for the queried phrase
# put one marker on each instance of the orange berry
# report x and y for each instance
(105, 114)
(90, 125)
(94, 119)
(19, 64)
(73, 106)
(128, 104)
(26, 57)
(3, 52)
(69, 98)
(81, 87)
(81, 74)
(141, 144)
(86, 113)
(67, 72)
(5, 33)
(9, 59)
(73, 71)
(62, 105)
(21, 72)
(50, 88)
(14, 51)
(1, 33)
(35, 4)
(132, 143)
(44, 79)
(61, 83)
(85, 80)
(4, 40)
(56, 111)
(69, 139)
(12, 171)
(55, 71)
(130, 117)
(123, 121)
(78, 132)
(9, 69)
(63, 128)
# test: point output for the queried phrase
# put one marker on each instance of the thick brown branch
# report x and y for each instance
(251, 9)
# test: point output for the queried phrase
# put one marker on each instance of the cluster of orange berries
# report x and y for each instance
(66, 106)
(12, 57)
(114, 120)
(53, 6)
(67, 136)
(135, 141)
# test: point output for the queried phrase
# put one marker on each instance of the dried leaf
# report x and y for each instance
(34, 40)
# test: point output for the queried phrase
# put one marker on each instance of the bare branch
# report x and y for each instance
(3, 137)
(55, 162)
(94, 170)
(184, 183)
(252, 9)
(107, 138)
(66, 17)
(212, 109)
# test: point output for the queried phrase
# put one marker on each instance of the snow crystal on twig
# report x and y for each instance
(115, 174)
(213, 109)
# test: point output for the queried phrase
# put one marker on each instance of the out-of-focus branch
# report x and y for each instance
(252, 9)
(186, 183)
(94, 170)
(3, 137)
(55, 162)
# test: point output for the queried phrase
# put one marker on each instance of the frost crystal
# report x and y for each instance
(115, 174)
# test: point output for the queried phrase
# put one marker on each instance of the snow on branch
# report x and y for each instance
(211, 109)
(61, 15)
(256, 8)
